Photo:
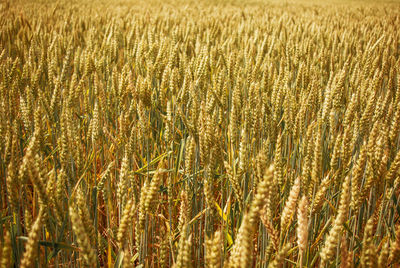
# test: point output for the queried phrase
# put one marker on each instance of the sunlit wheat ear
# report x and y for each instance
(366, 118)
(384, 256)
(12, 185)
(234, 179)
(358, 173)
(332, 238)
(243, 247)
(184, 210)
(38, 179)
(260, 164)
(124, 223)
(6, 251)
(234, 118)
(278, 161)
(369, 254)
(51, 189)
(302, 227)
(319, 196)
(348, 117)
(395, 124)
(290, 205)
(123, 179)
(243, 151)
(395, 248)
(262, 195)
(308, 147)
(95, 123)
(346, 149)
(30, 254)
(346, 257)
(272, 232)
(189, 154)
(184, 250)
(280, 257)
(105, 176)
(317, 160)
(84, 214)
(164, 247)
(142, 213)
(394, 168)
(82, 237)
(60, 188)
(240, 256)
(214, 250)
(336, 152)
(148, 196)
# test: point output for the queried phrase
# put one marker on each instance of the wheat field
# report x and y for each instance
(211, 133)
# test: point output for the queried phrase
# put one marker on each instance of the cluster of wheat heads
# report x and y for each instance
(191, 134)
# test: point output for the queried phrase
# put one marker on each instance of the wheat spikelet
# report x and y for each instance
(241, 251)
(183, 108)
(235, 181)
(290, 205)
(82, 237)
(184, 252)
(30, 253)
(357, 174)
(213, 250)
(84, 214)
(394, 168)
(394, 256)
(345, 258)
(302, 227)
(384, 256)
(148, 196)
(123, 226)
(319, 196)
(331, 241)
(369, 255)
(278, 165)
(6, 251)
(262, 195)
(123, 179)
(280, 257)
(12, 185)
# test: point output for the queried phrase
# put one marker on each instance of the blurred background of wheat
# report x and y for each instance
(199, 133)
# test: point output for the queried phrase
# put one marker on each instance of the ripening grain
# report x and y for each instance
(183, 133)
